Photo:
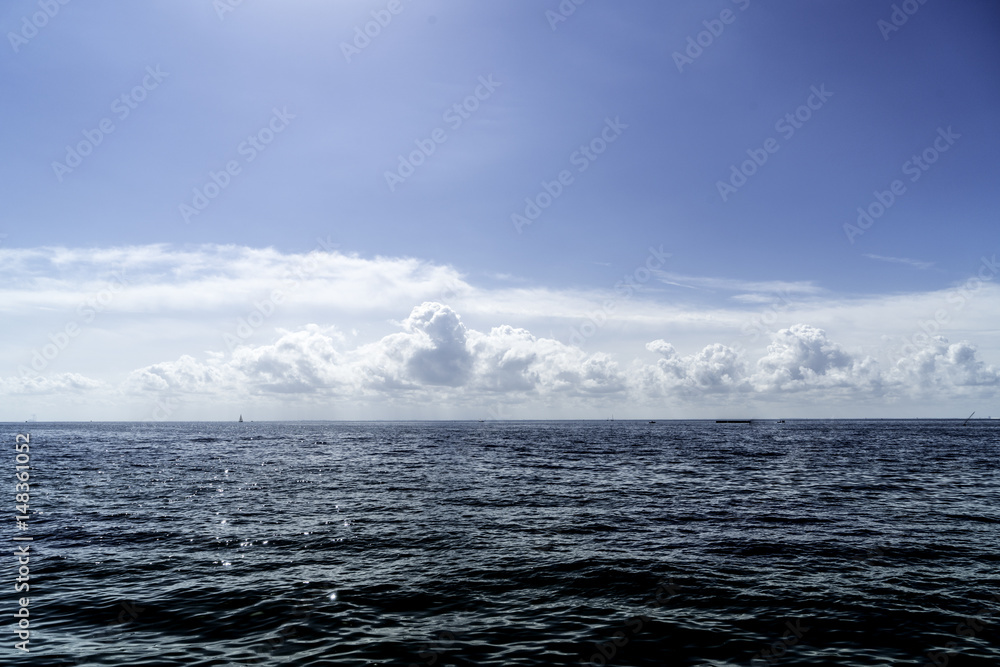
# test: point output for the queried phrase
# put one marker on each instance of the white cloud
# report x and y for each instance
(161, 278)
(58, 383)
(943, 368)
(436, 357)
(915, 263)
(715, 369)
(434, 346)
(733, 285)
(299, 362)
(464, 346)
(185, 375)
(803, 357)
(433, 352)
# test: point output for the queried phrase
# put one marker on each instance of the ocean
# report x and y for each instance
(506, 543)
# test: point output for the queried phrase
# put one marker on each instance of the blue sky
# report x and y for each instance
(199, 81)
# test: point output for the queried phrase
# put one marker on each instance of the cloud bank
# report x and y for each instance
(193, 334)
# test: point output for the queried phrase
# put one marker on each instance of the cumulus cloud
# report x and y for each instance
(802, 360)
(305, 362)
(433, 351)
(715, 369)
(228, 323)
(434, 357)
(803, 357)
(436, 351)
(508, 359)
(941, 367)
(185, 375)
(513, 360)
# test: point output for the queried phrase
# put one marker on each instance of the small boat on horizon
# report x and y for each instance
(241, 419)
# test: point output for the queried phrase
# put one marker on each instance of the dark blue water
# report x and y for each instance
(511, 543)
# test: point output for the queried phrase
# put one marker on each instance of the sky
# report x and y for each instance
(499, 210)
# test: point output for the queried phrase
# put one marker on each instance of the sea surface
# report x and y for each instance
(509, 543)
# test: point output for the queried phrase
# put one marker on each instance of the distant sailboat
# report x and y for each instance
(241, 419)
